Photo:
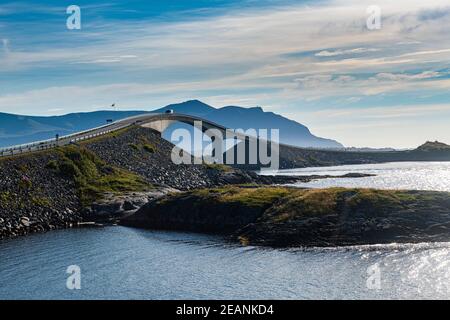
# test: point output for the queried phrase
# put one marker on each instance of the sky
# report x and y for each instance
(315, 62)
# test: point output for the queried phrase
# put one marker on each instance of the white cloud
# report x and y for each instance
(399, 126)
(5, 43)
(388, 112)
(262, 57)
(55, 110)
(339, 52)
(403, 76)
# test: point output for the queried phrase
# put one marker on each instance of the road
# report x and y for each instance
(143, 119)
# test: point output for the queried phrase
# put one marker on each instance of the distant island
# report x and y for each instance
(292, 217)
(434, 146)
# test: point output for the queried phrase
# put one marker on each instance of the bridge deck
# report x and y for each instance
(117, 125)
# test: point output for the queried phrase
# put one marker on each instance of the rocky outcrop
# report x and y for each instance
(112, 177)
(101, 180)
(34, 198)
(113, 207)
(286, 217)
(143, 152)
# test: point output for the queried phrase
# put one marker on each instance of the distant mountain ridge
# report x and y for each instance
(291, 132)
(19, 129)
(431, 146)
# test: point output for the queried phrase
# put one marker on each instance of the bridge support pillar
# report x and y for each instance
(158, 125)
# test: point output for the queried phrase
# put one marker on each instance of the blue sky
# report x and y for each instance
(313, 61)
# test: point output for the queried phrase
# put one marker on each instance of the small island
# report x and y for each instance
(292, 217)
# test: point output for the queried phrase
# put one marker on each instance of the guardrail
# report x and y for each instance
(98, 131)
(71, 138)
(61, 141)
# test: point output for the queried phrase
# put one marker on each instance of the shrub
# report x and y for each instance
(219, 167)
(6, 198)
(40, 201)
(133, 146)
(68, 168)
(25, 183)
(52, 165)
(149, 148)
(93, 177)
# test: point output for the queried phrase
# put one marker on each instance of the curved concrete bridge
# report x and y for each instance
(156, 121)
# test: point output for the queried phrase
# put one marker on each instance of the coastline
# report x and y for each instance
(291, 217)
(116, 177)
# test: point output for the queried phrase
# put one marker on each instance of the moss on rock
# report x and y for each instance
(93, 177)
(283, 217)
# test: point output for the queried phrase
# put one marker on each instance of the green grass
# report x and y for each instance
(149, 147)
(371, 202)
(133, 146)
(219, 167)
(6, 199)
(25, 183)
(250, 197)
(110, 135)
(305, 202)
(93, 177)
(143, 144)
(52, 165)
(41, 201)
(284, 204)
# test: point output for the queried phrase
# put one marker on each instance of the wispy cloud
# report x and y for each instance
(339, 52)
(390, 112)
(294, 54)
(5, 43)
(107, 59)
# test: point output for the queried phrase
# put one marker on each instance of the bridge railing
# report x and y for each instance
(101, 130)
(63, 140)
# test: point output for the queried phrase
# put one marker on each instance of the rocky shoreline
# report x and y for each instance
(127, 177)
(101, 180)
(115, 207)
(288, 217)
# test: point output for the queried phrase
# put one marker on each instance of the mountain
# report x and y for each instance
(430, 146)
(192, 107)
(291, 132)
(18, 129)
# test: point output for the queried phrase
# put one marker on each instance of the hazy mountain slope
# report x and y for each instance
(291, 132)
(192, 107)
(17, 129)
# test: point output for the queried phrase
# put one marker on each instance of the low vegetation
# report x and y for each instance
(434, 146)
(301, 203)
(283, 217)
(144, 144)
(246, 196)
(149, 147)
(219, 167)
(92, 176)
(109, 135)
